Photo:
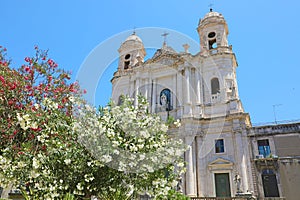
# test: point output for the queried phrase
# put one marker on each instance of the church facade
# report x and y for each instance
(226, 156)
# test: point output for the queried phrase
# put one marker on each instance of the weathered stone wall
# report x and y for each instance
(290, 178)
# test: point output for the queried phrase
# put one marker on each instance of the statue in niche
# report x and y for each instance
(237, 180)
(165, 99)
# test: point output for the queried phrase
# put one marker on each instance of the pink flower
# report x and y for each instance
(10, 102)
(27, 59)
(27, 69)
(2, 79)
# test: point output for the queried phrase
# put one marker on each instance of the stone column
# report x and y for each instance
(198, 161)
(190, 175)
(187, 105)
(131, 88)
(146, 87)
(198, 97)
(187, 85)
(179, 93)
(137, 85)
(241, 160)
(174, 92)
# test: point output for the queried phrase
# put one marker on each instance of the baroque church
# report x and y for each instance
(226, 156)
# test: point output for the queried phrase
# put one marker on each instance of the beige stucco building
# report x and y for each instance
(225, 152)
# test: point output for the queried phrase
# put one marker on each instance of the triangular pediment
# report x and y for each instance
(165, 61)
(165, 58)
(220, 163)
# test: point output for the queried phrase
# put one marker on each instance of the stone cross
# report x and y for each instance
(186, 48)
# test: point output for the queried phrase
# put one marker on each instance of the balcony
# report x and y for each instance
(269, 162)
(215, 98)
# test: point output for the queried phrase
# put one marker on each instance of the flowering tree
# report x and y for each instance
(37, 144)
(134, 146)
(53, 144)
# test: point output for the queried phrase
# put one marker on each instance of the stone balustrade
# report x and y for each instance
(275, 129)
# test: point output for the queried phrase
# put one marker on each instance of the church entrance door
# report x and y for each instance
(222, 185)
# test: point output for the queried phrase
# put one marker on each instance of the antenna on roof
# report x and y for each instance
(134, 30)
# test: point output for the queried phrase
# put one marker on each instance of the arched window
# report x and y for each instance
(215, 86)
(126, 64)
(127, 61)
(165, 99)
(212, 42)
(120, 100)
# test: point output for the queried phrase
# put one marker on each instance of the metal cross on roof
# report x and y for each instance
(165, 37)
(210, 7)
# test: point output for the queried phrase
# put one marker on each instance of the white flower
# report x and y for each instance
(164, 128)
(23, 125)
(34, 174)
(181, 164)
(149, 168)
(122, 166)
(112, 189)
(177, 123)
(140, 146)
(34, 125)
(36, 106)
(116, 152)
(174, 183)
(79, 186)
(106, 158)
(67, 161)
(26, 117)
(142, 156)
(19, 117)
(35, 163)
(24, 121)
(72, 99)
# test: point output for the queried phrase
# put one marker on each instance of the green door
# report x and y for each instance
(270, 185)
(222, 185)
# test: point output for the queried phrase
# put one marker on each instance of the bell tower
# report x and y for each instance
(218, 67)
(131, 53)
(213, 32)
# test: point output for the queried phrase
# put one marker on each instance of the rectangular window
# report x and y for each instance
(264, 148)
(219, 146)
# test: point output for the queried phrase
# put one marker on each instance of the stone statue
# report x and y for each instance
(237, 180)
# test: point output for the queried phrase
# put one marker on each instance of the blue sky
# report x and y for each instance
(264, 36)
